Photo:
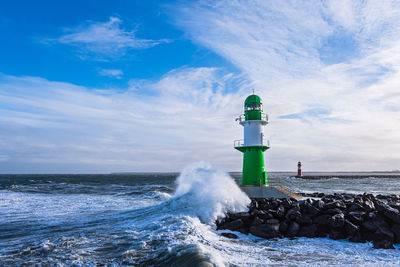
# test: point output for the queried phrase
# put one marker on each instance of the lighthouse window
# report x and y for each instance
(253, 107)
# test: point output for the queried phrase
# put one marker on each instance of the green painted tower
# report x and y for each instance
(254, 144)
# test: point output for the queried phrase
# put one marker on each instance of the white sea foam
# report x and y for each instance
(203, 193)
(186, 220)
(156, 228)
(209, 192)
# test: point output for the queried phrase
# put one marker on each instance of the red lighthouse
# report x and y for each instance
(299, 173)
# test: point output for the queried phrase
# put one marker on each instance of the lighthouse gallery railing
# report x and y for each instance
(240, 142)
(264, 117)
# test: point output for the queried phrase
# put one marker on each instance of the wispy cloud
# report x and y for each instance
(328, 73)
(58, 127)
(290, 35)
(114, 73)
(307, 57)
(104, 39)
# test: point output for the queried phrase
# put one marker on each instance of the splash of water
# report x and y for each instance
(209, 192)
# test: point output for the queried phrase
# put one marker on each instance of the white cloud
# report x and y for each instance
(332, 116)
(340, 116)
(60, 127)
(114, 73)
(105, 39)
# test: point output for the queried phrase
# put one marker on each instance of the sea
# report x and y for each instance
(162, 219)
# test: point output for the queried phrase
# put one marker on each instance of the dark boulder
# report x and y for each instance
(383, 233)
(337, 234)
(254, 213)
(265, 206)
(244, 230)
(322, 219)
(379, 219)
(368, 196)
(348, 202)
(253, 205)
(385, 244)
(229, 235)
(338, 196)
(319, 204)
(272, 221)
(302, 204)
(395, 205)
(396, 230)
(348, 197)
(372, 223)
(293, 213)
(335, 204)
(275, 202)
(270, 230)
(392, 214)
(261, 202)
(265, 215)
(356, 216)
(272, 212)
(246, 217)
(359, 200)
(350, 227)
(308, 208)
(234, 225)
(337, 220)
(286, 203)
(239, 215)
(280, 211)
(283, 226)
(327, 199)
(368, 235)
(295, 204)
(371, 215)
(322, 230)
(308, 230)
(333, 211)
(358, 237)
(369, 206)
(304, 219)
(257, 221)
(309, 201)
(312, 210)
(292, 230)
(369, 225)
(380, 205)
(355, 207)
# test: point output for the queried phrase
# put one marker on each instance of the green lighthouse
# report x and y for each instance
(254, 144)
(254, 177)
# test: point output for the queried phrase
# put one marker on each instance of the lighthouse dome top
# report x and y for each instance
(253, 99)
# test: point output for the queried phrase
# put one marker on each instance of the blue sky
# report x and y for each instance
(33, 46)
(101, 86)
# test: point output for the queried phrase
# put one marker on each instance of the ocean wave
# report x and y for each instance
(149, 225)
(210, 193)
(180, 231)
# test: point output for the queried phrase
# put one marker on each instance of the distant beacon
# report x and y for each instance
(254, 143)
(254, 177)
(299, 172)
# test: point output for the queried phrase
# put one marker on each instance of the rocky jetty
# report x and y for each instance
(350, 176)
(359, 218)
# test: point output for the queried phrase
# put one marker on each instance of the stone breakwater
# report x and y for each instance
(358, 218)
